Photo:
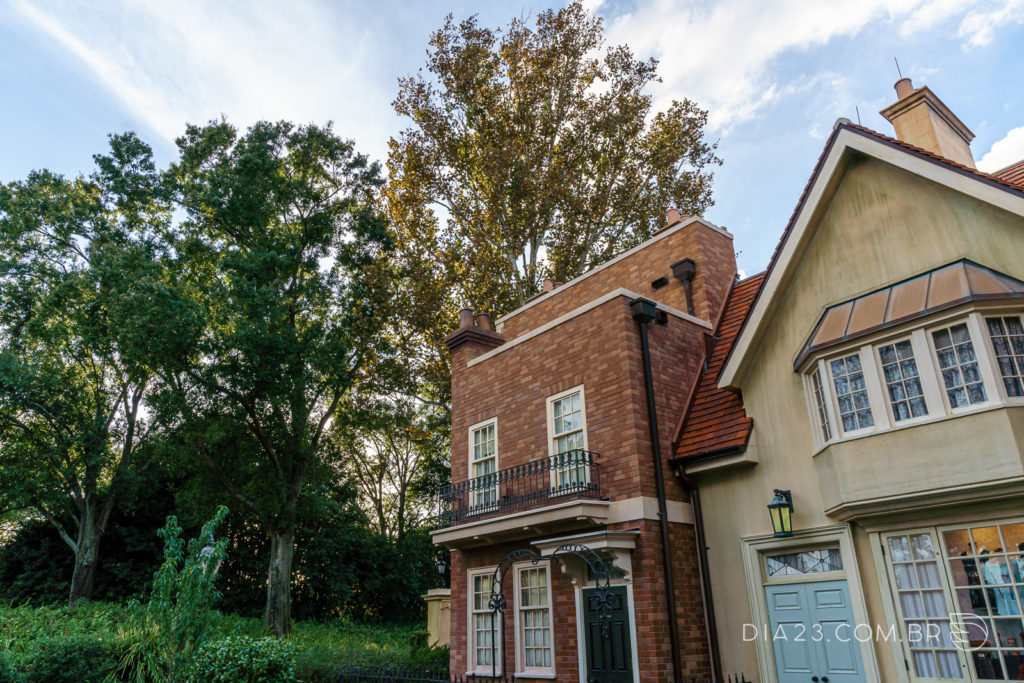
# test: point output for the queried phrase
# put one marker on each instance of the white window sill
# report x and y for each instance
(546, 675)
(916, 422)
(484, 673)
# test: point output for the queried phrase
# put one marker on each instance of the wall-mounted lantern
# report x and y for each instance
(781, 511)
(442, 566)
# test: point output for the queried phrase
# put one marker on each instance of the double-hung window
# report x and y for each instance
(851, 393)
(1007, 336)
(533, 609)
(483, 463)
(483, 627)
(567, 428)
(958, 365)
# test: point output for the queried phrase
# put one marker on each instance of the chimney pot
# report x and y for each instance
(549, 284)
(466, 317)
(903, 88)
(483, 321)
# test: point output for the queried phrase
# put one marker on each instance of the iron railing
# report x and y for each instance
(357, 674)
(572, 475)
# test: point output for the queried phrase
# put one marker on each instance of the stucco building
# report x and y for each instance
(875, 374)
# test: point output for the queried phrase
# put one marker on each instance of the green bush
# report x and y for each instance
(245, 660)
(7, 673)
(73, 659)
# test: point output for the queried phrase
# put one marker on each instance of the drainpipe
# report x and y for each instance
(645, 312)
(705, 574)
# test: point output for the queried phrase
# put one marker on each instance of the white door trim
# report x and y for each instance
(754, 547)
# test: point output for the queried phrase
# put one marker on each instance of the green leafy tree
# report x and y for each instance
(284, 252)
(83, 303)
(533, 152)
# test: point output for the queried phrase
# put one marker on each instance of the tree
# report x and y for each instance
(533, 152)
(83, 302)
(284, 253)
(386, 445)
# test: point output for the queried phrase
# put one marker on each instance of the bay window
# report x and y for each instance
(931, 372)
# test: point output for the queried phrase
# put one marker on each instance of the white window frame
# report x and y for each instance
(887, 583)
(872, 384)
(981, 352)
(471, 665)
(812, 404)
(928, 368)
(473, 506)
(919, 352)
(521, 669)
(551, 430)
(1004, 397)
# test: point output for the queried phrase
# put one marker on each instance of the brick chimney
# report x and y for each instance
(472, 337)
(923, 120)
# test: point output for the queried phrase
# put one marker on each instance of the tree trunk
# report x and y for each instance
(278, 614)
(86, 557)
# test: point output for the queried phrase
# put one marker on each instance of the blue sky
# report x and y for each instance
(774, 74)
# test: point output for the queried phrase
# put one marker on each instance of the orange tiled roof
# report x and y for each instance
(1012, 174)
(715, 419)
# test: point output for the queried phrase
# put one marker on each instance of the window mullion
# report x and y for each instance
(873, 382)
(986, 361)
(928, 371)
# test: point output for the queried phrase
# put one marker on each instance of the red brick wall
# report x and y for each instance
(709, 248)
(648, 586)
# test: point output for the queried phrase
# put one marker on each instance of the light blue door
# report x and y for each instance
(812, 633)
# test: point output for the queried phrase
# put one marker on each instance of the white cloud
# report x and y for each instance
(189, 60)
(978, 26)
(721, 53)
(1005, 152)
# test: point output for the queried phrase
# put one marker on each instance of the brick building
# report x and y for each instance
(553, 455)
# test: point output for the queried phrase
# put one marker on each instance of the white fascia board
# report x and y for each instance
(959, 181)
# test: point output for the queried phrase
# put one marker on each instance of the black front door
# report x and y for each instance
(609, 660)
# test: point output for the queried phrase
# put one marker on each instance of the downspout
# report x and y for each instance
(645, 312)
(705, 575)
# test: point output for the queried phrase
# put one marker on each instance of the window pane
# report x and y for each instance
(1007, 336)
(806, 562)
(821, 410)
(959, 365)
(851, 393)
(899, 369)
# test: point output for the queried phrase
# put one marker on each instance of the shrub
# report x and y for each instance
(74, 659)
(243, 659)
(163, 635)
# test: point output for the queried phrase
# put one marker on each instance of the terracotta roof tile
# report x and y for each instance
(1012, 174)
(715, 418)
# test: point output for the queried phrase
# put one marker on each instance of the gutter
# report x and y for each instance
(645, 312)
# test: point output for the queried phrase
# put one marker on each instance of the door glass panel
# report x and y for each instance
(914, 562)
(988, 577)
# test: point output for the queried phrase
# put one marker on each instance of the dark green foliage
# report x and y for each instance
(243, 659)
(7, 673)
(71, 659)
(35, 567)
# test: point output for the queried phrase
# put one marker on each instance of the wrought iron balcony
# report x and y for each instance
(573, 475)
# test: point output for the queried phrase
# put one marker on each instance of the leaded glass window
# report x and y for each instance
(851, 393)
(1008, 342)
(806, 562)
(958, 365)
(902, 380)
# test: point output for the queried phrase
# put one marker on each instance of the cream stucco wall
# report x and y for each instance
(881, 225)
